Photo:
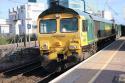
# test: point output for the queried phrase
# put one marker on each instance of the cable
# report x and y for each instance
(88, 7)
(106, 2)
(116, 13)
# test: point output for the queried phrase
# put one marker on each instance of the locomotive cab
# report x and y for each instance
(58, 35)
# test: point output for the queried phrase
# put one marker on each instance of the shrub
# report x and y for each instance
(3, 40)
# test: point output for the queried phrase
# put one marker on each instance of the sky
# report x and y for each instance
(116, 6)
(5, 5)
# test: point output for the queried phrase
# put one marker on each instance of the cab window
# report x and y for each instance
(48, 26)
(84, 25)
(69, 25)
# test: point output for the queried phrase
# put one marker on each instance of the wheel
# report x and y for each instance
(52, 66)
(94, 48)
(73, 60)
(49, 65)
(86, 55)
(61, 66)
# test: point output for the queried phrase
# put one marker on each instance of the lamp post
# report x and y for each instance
(28, 19)
(28, 27)
(84, 5)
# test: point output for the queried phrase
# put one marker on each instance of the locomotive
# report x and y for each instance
(70, 36)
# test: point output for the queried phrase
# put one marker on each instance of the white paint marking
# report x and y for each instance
(72, 69)
(109, 60)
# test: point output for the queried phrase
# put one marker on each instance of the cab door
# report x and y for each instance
(84, 40)
(90, 31)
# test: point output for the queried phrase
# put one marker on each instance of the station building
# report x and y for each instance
(23, 19)
(4, 26)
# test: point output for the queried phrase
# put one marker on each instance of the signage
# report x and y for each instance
(29, 26)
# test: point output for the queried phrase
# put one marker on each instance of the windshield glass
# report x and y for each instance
(48, 26)
(69, 25)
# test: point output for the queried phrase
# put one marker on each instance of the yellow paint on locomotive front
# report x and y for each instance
(56, 43)
(59, 43)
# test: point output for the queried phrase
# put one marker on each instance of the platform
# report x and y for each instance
(106, 66)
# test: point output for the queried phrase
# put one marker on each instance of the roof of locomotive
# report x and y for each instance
(60, 9)
(97, 18)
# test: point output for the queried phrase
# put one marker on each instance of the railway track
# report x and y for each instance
(30, 73)
(16, 74)
(31, 76)
(36, 75)
(21, 69)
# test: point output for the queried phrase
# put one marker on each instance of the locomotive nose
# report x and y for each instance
(58, 44)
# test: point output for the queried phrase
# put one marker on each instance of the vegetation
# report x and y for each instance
(3, 40)
(14, 39)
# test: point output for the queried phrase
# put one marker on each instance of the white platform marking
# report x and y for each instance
(109, 60)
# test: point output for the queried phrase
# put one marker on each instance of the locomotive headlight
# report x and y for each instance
(72, 47)
(45, 46)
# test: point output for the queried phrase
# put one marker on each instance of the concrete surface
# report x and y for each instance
(106, 66)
